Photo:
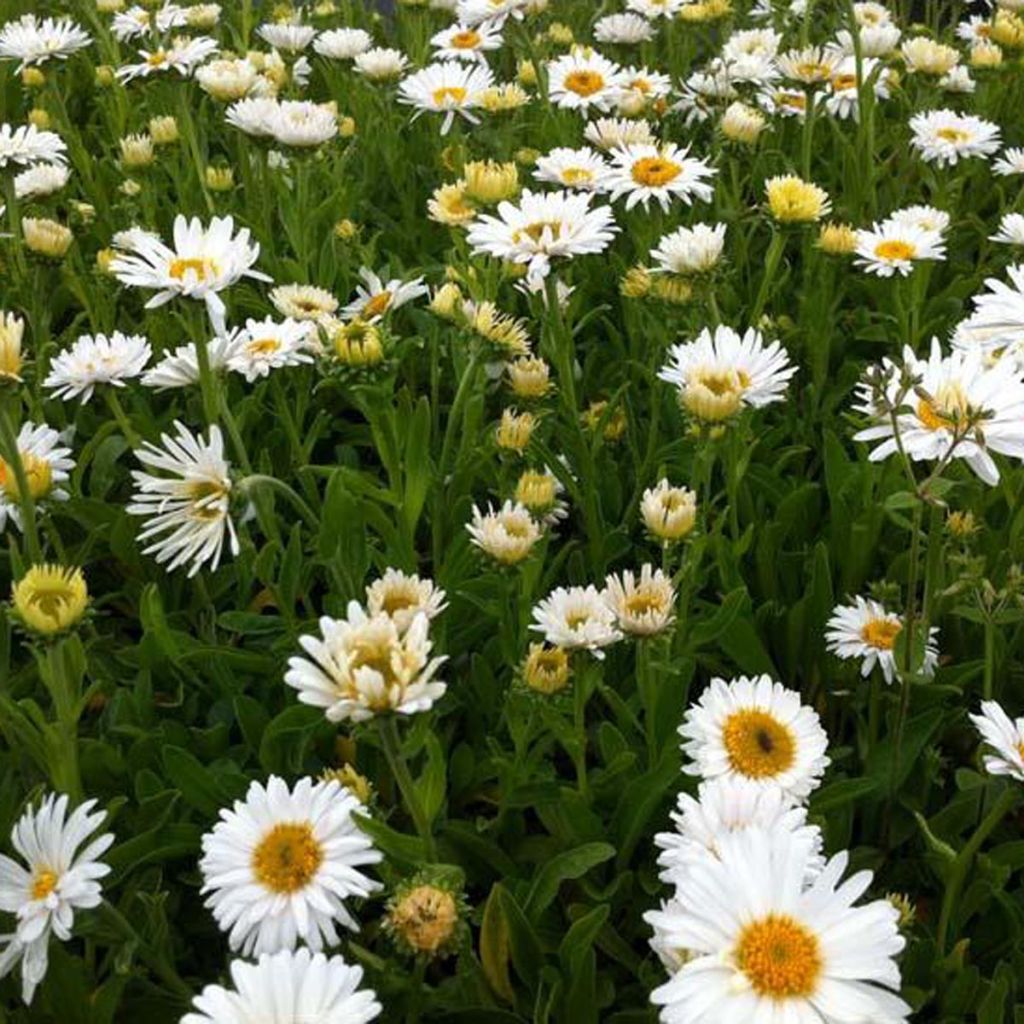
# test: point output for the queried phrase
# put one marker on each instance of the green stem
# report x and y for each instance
(388, 729)
(648, 689)
(272, 483)
(988, 682)
(771, 264)
(11, 454)
(130, 435)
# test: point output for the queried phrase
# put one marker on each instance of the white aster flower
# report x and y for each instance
(1010, 162)
(375, 298)
(381, 64)
(343, 43)
(28, 145)
(287, 36)
(843, 99)
(1004, 737)
(97, 359)
(183, 56)
(506, 535)
(958, 80)
(953, 391)
(32, 40)
(640, 88)
(609, 133)
(59, 878)
(302, 123)
(580, 169)
(202, 262)
(998, 318)
(187, 501)
(227, 80)
(1011, 230)
(644, 605)
(755, 729)
(584, 80)
(576, 618)
(450, 87)
(763, 945)
(303, 301)
(656, 8)
(464, 42)
(944, 137)
(543, 227)
(721, 372)
(364, 665)
(493, 12)
(136, 20)
(706, 91)
(624, 29)
(41, 180)
(47, 468)
(270, 345)
(689, 251)
(866, 631)
(894, 247)
(403, 597)
(280, 864)
(180, 367)
(288, 988)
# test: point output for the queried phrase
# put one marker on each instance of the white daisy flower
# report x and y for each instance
(493, 12)
(364, 666)
(927, 218)
(187, 502)
(959, 80)
(1011, 230)
(656, 8)
(543, 226)
(810, 65)
(1010, 162)
(726, 805)
(464, 42)
(843, 99)
(302, 124)
(59, 878)
(959, 388)
(280, 864)
(944, 137)
(227, 80)
(721, 372)
(287, 36)
(998, 317)
(608, 133)
(47, 468)
(706, 91)
(303, 301)
(689, 251)
(381, 63)
(183, 56)
(343, 43)
(41, 180)
(642, 606)
(136, 20)
(640, 88)
(763, 945)
(506, 535)
(180, 367)
(584, 80)
(202, 262)
(270, 345)
(749, 55)
(875, 40)
(1004, 737)
(755, 729)
(893, 247)
(97, 359)
(450, 87)
(28, 145)
(32, 40)
(576, 618)
(288, 988)
(580, 169)
(375, 298)
(668, 512)
(403, 597)
(865, 630)
(624, 29)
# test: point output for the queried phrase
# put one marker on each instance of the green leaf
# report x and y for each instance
(198, 786)
(570, 864)
(494, 947)
(840, 793)
(527, 953)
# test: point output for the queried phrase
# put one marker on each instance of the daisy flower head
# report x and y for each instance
(403, 597)
(227, 80)
(186, 501)
(764, 944)
(959, 406)
(1010, 162)
(577, 618)
(46, 466)
(865, 630)
(31, 40)
(201, 262)
(97, 359)
(998, 317)
(58, 877)
(27, 145)
(179, 367)
(342, 43)
(726, 805)
(894, 246)
(450, 87)
(41, 180)
(492, 12)
(12, 334)
(293, 987)
(754, 728)
(279, 866)
(721, 372)
(843, 99)
(467, 43)
(375, 298)
(303, 301)
(302, 123)
(643, 604)
(791, 200)
(944, 137)
(655, 8)
(542, 227)
(663, 173)
(1011, 230)
(381, 63)
(584, 80)
(507, 534)
(640, 89)
(270, 345)
(291, 37)
(1004, 738)
(927, 57)
(365, 665)
(668, 512)
(580, 169)
(183, 56)
(608, 133)
(690, 251)
(627, 29)
(810, 66)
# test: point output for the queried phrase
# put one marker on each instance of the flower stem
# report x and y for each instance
(388, 729)
(771, 264)
(11, 454)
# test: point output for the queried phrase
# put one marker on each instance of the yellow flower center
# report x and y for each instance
(954, 135)
(465, 40)
(714, 394)
(949, 404)
(793, 100)
(287, 857)
(535, 231)
(374, 652)
(577, 176)
(655, 171)
(895, 249)
(758, 745)
(263, 346)
(38, 475)
(201, 268)
(812, 71)
(155, 60)
(516, 528)
(645, 600)
(456, 94)
(841, 82)
(397, 599)
(780, 957)
(206, 497)
(584, 83)
(881, 633)
(378, 305)
(43, 884)
(641, 85)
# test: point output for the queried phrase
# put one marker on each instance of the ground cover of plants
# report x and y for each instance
(512, 511)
